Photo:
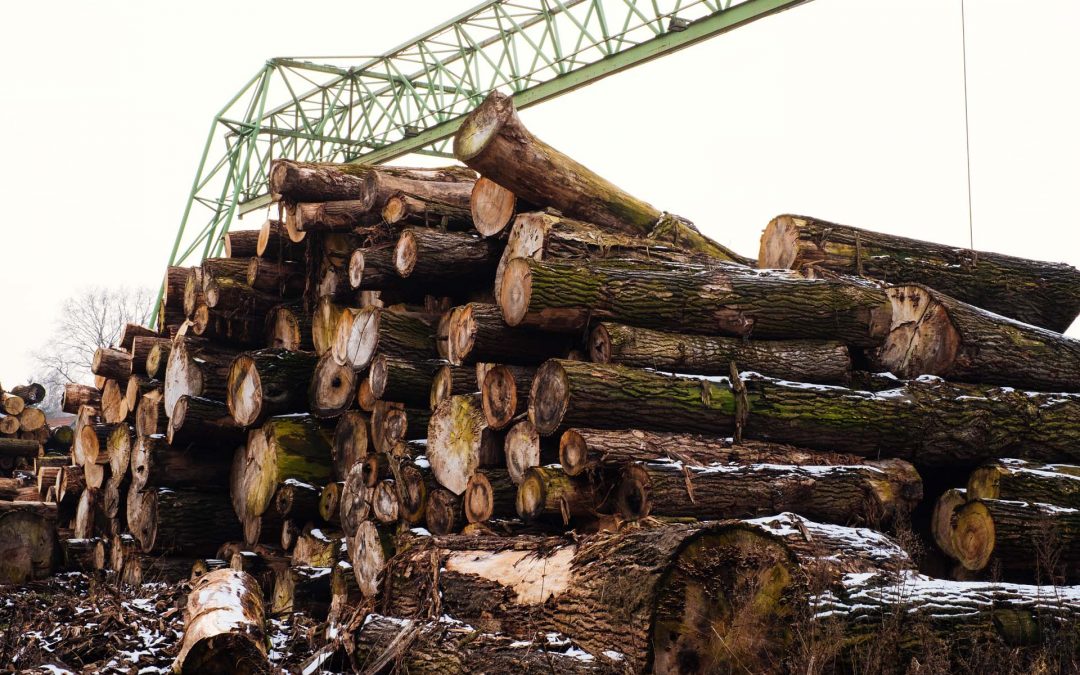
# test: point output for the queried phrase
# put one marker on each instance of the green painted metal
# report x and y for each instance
(414, 97)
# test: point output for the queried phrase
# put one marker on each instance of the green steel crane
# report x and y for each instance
(413, 98)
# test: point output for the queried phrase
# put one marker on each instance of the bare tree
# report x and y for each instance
(94, 318)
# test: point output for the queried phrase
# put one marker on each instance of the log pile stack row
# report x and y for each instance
(486, 406)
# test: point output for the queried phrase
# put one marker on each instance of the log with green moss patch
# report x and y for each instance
(1035, 292)
(715, 299)
(460, 442)
(1020, 480)
(928, 422)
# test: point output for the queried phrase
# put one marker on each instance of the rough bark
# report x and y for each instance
(373, 329)
(224, 627)
(77, 395)
(304, 181)
(504, 392)
(268, 382)
(156, 464)
(1018, 480)
(446, 259)
(338, 215)
(280, 279)
(31, 419)
(351, 442)
(493, 141)
(297, 501)
(547, 493)
(33, 393)
(373, 268)
(477, 333)
(274, 243)
(197, 368)
(583, 449)
(405, 380)
(289, 327)
(317, 547)
(489, 494)
(1035, 292)
(112, 363)
(203, 426)
(822, 361)
(445, 512)
(460, 442)
(718, 299)
(140, 351)
(137, 387)
(27, 545)
(446, 213)
(301, 589)
(927, 422)
(181, 522)
(241, 243)
(933, 334)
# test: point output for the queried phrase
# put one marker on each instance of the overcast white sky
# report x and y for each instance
(849, 110)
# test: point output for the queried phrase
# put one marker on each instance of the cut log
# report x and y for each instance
(450, 381)
(60, 438)
(504, 393)
(140, 569)
(821, 361)
(113, 402)
(77, 395)
(583, 449)
(334, 284)
(294, 446)
(90, 519)
(289, 328)
(493, 141)
(490, 494)
(197, 368)
(203, 425)
(443, 214)
(193, 291)
(32, 393)
(460, 442)
(1018, 480)
(405, 380)
(546, 493)
(1035, 292)
(17, 447)
(302, 181)
(274, 243)
(69, 485)
(137, 387)
(280, 279)
(224, 627)
(181, 522)
(525, 448)
(350, 442)
(83, 555)
(297, 501)
(27, 545)
(870, 493)
(141, 347)
(112, 363)
(119, 449)
(268, 382)
(493, 207)
(10, 404)
(156, 464)
(94, 441)
(365, 400)
(330, 502)
(928, 422)
(355, 505)
(477, 333)
(337, 215)
(9, 425)
(385, 505)
(317, 547)
(445, 512)
(447, 259)
(241, 243)
(173, 287)
(157, 360)
(414, 483)
(943, 520)
(1031, 539)
(362, 332)
(719, 299)
(372, 547)
(333, 387)
(393, 424)
(324, 325)
(301, 588)
(933, 334)
(31, 419)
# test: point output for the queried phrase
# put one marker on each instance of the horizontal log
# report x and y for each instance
(32, 393)
(268, 382)
(446, 212)
(444, 513)
(504, 392)
(197, 368)
(289, 327)
(156, 464)
(77, 395)
(17, 447)
(185, 522)
(1018, 480)
(362, 333)
(477, 333)
(27, 545)
(448, 259)
(547, 493)
(450, 381)
(302, 181)
(405, 380)
(203, 426)
(493, 207)
(112, 363)
(333, 387)
(373, 268)
(241, 243)
(274, 243)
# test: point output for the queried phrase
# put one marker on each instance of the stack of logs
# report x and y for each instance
(513, 400)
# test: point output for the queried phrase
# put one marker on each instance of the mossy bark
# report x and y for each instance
(1018, 480)
(449, 260)
(477, 333)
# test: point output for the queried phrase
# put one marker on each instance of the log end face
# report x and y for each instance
(461, 334)
(921, 339)
(522, 450)
(479, 499)
(492, 207)
(377, 376)
(27, 547)
(516, 291)
(244, 394)
(293, 221)
(368, 558)
(481, 126)
(549, 398)
(531, 495)
(573, 453)
(284, 332)
(779, 243)
(405, 253)
(600, 344)
(499, 396)
(632, 494)
(985, 482)
(442, 512)
(973, 536)
(357, 262)
(332, 387)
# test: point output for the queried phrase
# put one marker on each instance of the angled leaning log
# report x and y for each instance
(224, 626)
(1035, 292)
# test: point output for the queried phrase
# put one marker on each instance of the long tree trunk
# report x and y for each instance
(303, 181)
(1035, 292)
(933, 334)
(268, 382)
(477, 333)
(224, 627)
(716, 299)
(822, 361)
(869, 493)
(447, 214)
(460, 442)
(184, 522)
(493, 141)
(1018, 480)
(582, 449)
(928, 422)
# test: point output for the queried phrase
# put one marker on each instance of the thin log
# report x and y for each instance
(493, 207)
(477, 333)
(17, 447)
(297, 501)
(372, 329)
(181, 522)
(445, 512)
(112, 363)
(330, 502)
(373, 268)
(288, 327)
(31, 394)
(446, 214)
(525, 448)
(241, 243)
(546, 493)
(157, 360)
(450, 381)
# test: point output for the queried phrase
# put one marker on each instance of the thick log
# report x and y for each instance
(224, 627)
(27, 545)
(119, 449)
(77, 395)
(547, 493)
(821, 361)
(493, 207)
(157, 360)
(928, 422)
(60, 438)
(447, 259)
(408, 381)
(583, 449)
(69, 485)
(294, 446)
(324, 325)
(268, 382)
(1030, 539)
(113, 402)
(297, 501)
(493, 141)
(1018, 480)
(156, 464)
(869, 493)
(90, 519)
(330, 502)
(490, 494)
(137, 387)
(173, 287)
(477, 333)
(31, 419)
(197, 368)
(351, 442)
(718, 299)
(289, 327)
(301, 588)
(112, 363)
(181, 522)
(504, 393)
(140, 353)
(460, 442)
(10, 404)
(414, 483)
(338, 215)
(318, 547)
(9, 425)
(303, 181)
(241, 243)
(334, 284)
(274, 243)
(525, 448)
(450, 381)
(280, 279)
(232, 298)
(444, 512)
(399, 333)
(385, 505)
(1031, 291)
(933, 334)
(194, 294)
(203, 425)
(943, 520)
(32, 393)
(17, 447)
(446, 214)
(373, 268)
(83, 555)
(333, 387)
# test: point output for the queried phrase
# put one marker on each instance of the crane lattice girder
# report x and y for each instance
(413, 98)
